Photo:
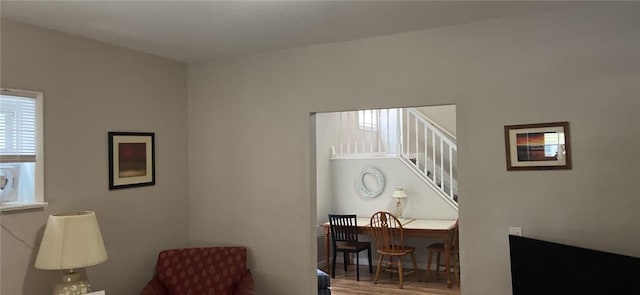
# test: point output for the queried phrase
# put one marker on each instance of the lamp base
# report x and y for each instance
(398, 211)
(72, 284)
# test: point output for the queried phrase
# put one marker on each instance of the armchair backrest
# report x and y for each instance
(193, 270)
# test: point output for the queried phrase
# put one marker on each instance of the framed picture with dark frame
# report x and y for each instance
(131, 159)
(542, 146)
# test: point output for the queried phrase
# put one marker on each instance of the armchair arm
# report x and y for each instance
(153, 287)
(245, 285)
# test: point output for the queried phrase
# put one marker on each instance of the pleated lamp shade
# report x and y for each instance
(399, 194)
(71, 240)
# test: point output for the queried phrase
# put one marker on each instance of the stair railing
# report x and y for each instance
(424, 146)
(432, 151)
(367, 133)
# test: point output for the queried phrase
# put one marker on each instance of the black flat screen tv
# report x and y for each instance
(546, 268)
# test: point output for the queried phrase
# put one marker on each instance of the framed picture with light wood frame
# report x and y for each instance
(541, 146)
(131, 159)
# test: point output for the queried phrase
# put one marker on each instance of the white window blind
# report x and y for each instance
(17, 129)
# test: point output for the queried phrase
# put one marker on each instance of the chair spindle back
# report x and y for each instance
(387, 232)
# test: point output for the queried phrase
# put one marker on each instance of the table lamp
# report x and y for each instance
(399, 194)
(71, 241)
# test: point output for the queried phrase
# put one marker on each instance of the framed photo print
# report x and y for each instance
(541, 146)
(131, 159)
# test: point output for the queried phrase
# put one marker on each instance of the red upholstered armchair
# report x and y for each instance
(200, 271)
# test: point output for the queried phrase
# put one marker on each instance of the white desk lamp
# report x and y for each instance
(399, 194)
(71, 241)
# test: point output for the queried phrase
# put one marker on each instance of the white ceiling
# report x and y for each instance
(193, 31)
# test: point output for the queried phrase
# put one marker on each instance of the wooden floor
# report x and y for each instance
(346, 284)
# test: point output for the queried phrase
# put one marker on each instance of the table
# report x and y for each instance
(422, 228)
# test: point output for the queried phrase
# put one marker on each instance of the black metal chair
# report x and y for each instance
(344, 237)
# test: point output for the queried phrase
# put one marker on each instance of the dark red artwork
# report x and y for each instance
(132, 161)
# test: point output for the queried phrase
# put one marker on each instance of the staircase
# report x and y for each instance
(431, 152)
(422, 145)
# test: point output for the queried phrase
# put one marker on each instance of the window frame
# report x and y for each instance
(38, 200)
(368, 120)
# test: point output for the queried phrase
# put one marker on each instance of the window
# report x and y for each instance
(368, 119)
(21, 153)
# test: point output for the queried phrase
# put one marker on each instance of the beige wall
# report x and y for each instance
(250, 136)
(325, 137)
(250, 181)
(89, 89)
(445, 116)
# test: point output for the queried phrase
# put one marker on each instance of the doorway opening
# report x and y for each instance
(396, 143)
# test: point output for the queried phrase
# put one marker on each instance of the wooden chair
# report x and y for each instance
(438, 248)
(389, 237)
(344, 234)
